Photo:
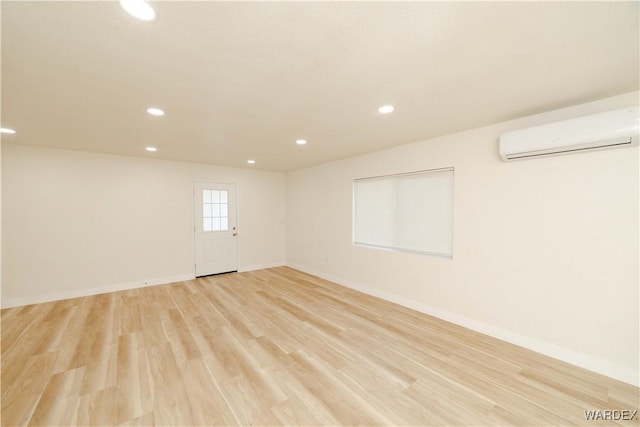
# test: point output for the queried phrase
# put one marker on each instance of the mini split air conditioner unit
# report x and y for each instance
(613, 129)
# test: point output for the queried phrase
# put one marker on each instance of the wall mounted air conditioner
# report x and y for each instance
(613, 129)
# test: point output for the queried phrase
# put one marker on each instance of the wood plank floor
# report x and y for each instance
(277, 347)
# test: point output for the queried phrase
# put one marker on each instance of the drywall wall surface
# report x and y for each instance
(77, 223)
(545, 250)
(0, 218)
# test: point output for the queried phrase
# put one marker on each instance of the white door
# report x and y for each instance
(216, 234)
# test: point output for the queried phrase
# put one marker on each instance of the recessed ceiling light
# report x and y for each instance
(155, 111)
(7, 130)
(152, 149)
(251, 162)
(301, 141)
(139, 9)
(385, 109)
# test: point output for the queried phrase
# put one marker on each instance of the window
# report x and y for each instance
(408, 212)
(215, 205)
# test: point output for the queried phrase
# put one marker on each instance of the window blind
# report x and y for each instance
(409, 212)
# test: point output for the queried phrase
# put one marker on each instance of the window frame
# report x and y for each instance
(398, 248)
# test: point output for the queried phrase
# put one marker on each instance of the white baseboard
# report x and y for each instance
(259, 267)
(591, 363)
(76, 293)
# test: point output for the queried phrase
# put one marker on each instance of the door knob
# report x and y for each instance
(235, 234)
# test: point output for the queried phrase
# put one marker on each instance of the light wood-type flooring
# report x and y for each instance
(277, 347)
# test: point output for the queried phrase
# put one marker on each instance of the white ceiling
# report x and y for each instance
(241, 80)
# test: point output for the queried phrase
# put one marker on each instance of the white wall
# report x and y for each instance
(77, 223)
(545, 251)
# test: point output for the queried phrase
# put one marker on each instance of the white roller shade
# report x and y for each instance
(410, 212)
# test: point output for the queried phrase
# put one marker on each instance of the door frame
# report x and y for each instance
(193, 218)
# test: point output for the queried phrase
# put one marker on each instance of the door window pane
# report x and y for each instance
(215, 210)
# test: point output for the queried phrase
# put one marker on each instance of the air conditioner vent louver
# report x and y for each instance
(613, 129)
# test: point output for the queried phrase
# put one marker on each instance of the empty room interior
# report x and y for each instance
(320, 213)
